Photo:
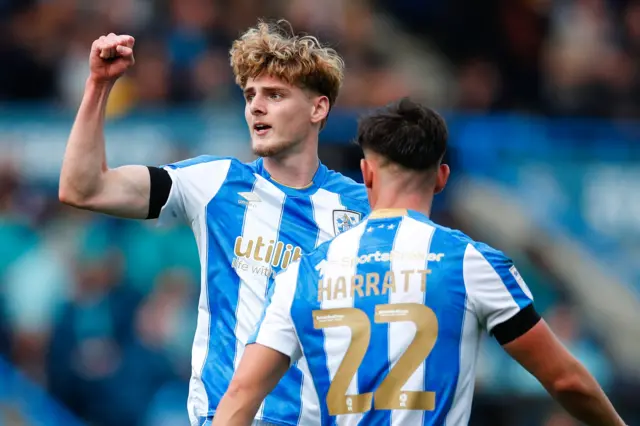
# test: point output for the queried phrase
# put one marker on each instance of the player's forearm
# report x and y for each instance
(235, 416)
(84, 163)
(238, 407)
(583, 398)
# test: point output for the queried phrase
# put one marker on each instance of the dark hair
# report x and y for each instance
(406, 133)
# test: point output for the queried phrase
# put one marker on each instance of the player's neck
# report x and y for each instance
(409, 201)
(293, 169)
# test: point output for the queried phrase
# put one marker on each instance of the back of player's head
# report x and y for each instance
(405, 133)
(273, 49)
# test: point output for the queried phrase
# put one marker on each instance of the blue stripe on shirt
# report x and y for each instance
(445, 294)
(377, 237)
(223, 286)
(298, 227)
(312, 339)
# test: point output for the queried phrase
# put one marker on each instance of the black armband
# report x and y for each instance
(516, 326)
(160, 190)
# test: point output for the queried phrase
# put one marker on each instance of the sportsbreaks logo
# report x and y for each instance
(270, 254)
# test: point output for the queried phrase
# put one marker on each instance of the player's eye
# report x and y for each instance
(249, 98)
(276, 96)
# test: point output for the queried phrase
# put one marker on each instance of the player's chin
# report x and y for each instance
(266, 148)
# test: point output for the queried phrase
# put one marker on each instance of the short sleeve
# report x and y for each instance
(194, 183)
(498, 294)
(276, 329)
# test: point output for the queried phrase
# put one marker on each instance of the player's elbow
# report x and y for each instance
(567, 384)
(574, 381)
(67, 195)
(81, 192)
(239, 390)
(78, 197)
(70, 196)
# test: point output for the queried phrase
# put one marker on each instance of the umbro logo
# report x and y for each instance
(250, 199)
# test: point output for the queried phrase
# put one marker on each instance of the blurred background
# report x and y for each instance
(542, 98)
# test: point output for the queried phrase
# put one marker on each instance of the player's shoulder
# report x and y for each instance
(457, 242)
(478, 251)
(450, 238)
(310, 261)
(199, 161)
(345, 186)
(224, 167)
(304, 270)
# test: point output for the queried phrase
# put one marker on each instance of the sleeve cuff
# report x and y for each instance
(284, 346)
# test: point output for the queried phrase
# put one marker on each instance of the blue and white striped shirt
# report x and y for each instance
(389, 315)
(248, 228)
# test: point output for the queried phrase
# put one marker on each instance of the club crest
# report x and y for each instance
(343, 220)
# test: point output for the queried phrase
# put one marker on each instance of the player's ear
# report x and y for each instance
(367, 173)
(320, 109)
(442, 177)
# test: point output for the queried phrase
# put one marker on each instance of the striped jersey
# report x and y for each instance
(248, 227)
(389, 315)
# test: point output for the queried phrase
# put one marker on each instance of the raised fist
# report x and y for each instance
(110, 57)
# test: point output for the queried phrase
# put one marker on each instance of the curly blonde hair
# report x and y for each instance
(274, 50)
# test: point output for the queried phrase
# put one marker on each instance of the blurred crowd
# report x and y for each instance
(556, 57)
(181, 48)
(560, 57)
(101, 312)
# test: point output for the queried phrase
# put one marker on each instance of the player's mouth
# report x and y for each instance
(261, 129)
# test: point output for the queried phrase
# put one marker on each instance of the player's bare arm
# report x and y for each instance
(86, 181)
(564, 377)
(260, 369)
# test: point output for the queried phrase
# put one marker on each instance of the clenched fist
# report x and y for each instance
(110, 57)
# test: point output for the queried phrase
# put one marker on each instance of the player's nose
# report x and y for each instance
(258, 106)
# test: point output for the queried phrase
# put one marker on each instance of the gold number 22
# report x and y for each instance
(389, 395)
